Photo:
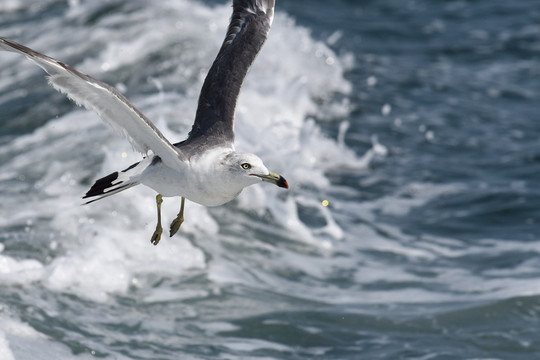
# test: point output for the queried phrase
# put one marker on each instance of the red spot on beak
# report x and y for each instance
(282, 183)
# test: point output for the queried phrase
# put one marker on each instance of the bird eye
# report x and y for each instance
(246, 166)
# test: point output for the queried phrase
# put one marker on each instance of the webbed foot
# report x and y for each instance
(159, 230)
(176, 223)
(157, 235)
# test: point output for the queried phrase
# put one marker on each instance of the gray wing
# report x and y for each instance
(248, 29)
(107, 102)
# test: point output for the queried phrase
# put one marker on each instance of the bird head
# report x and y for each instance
(250, 169)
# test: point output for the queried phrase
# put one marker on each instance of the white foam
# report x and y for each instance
(21, 342)
(213, 328)
(10, 5)
(105, 246)
(14, 271)
(5, 351)
(250, 345)
(168, 295)
(103, 249)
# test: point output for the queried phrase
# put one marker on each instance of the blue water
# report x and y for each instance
(417, 121)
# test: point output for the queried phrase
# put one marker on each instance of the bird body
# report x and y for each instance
(204, 183)
(204, 168)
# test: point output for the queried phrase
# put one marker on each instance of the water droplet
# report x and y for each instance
(386, 109)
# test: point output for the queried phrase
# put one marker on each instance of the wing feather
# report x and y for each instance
(111, 106)
(247, 32)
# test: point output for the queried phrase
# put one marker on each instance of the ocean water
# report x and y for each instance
(415, 122)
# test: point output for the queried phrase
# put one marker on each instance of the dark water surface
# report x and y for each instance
(416, 120)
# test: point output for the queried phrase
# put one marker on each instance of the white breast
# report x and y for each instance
(206, 181)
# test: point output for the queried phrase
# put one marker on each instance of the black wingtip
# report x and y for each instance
(101, 185)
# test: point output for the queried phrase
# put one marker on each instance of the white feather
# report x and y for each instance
(111, 106)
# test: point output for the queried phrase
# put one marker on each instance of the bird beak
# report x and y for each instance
(275, 179)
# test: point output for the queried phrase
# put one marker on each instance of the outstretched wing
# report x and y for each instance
(248, 29)
(107, 102)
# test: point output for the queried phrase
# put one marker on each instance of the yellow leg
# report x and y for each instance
(159, 230)
(175, 225)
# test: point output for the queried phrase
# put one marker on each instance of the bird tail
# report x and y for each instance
(114, 183)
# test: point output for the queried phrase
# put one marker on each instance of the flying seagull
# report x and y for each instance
(204, 168)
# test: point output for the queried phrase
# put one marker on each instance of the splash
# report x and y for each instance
(103, 249)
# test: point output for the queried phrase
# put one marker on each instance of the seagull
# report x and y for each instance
(205, 168)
